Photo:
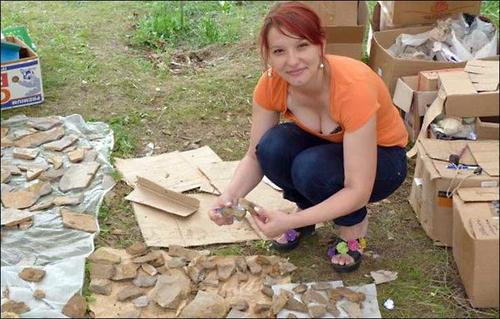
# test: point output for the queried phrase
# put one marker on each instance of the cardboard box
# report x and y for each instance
(391, 68)
(475, 243)
(429, 80)
(436, 182)
(21, 79)
(344, 35)
(488, 128)
(412, 103)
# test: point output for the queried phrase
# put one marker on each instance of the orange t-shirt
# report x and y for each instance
(356, 93)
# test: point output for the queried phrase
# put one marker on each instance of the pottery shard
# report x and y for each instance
(104, 255)
(75, 307)
(316, 311)
(85, 222)
(44, 123)
(179, 251)
(25, 153)
(311, 296)
(295, 305)
(144, 280)
(15, 307)
(70, 200)
(39, 294)
(76, 155)
(100, 286)
(78, 176)
(32, 274)
(225, 269)
(205, 305)
(129, 293)
(51, 174)
(19, 200)
(171, 289)
(150, 270)
(136, 249)
(254, 267)
(102, 271)
(61, 144)
(40, 137)
(125, 271)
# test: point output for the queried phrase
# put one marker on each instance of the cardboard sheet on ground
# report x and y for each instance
(177, 168)
(109, 307)
(369, 308)
(160, 229)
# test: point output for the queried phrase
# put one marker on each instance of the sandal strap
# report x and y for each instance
(341, 246)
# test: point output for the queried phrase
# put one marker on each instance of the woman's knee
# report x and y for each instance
(274, 145)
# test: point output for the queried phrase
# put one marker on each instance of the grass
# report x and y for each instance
(97, 61)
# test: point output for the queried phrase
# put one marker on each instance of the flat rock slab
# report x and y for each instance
(76, 307)
(32, 274)
(78, 176)
(85, 222)
(25, 153)
(3, 132)
(20, 133)
(5, 175)
(44, 123)
(40, 137)
(42, 204)
(20, 199)
(12, 216)
(205, 305)
(70, 200)
(32, 174)
(51, 174)
(61, 144)
(104, 255)
(40, 188)
(76, 155)
(55, 160)
(14, 307)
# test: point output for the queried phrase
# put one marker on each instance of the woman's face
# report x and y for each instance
(295, 60)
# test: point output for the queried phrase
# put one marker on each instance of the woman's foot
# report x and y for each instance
(290, 239)
(347, 234)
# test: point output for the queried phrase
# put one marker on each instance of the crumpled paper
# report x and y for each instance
(457, 39)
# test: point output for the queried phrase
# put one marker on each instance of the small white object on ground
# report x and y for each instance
(389, 304)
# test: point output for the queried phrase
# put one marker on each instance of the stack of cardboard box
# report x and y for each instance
(344, 23)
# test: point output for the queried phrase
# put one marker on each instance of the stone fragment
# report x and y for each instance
(353, 309)
(102, 271)
(5, 175)
(85, 222)
(12, 216)
(15, 307)
(3, 131)
(32, 166)
(32, 274)
(136, 249)
(26, 224)
(242, 277)
(316, 311)
(90, 156)
(151, 256)
(144, 280)
(104, 255)
(77, 155)
(295, 305)
(332, 309)
(39, 294)
(44, 123)
(101, 286)
(40, 137)
(239, 304)
(268, 291)
(141, 302)
(61, 144)
(351, 295)
(268, 281)
(205, 305)
(6, 142)
(312, 296)
(136, 313)
(262, 260)
(300, 288)
(321, 286)
(78, 176)
(279, 301)
(20, 133)
(51, 174)
(234, 313)
(150, 270)
(212, 280)
(209, 263)
(189, 254)
(19, 200)
(241, 264)
(40, 188)
(176, 262)
(6, 188)
(25, 153)
(254, 267)
(42, 205)
(261, 307)
(70, 200)
(286, 267)
(14, 170)
(129, 293)
(291, 315)
(76, 307)
(55, 160)
(225, 268)
(33, 173)
(69, 149)
(196, 273)
(171, 289)
(125, 271)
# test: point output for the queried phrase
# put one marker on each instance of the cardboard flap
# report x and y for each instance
(424, 100)
(483, 74)
(478, 194)
(484, 228)
(153, 194)
(486, 155)
(441, 150)
(403, 95)
(456, 83)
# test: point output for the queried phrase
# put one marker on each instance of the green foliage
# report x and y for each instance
(489, 9)
(125, 143)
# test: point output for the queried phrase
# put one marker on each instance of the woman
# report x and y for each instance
(343, 148)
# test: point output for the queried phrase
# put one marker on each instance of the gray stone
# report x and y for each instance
(90, 156)
(102, 271)
(189, 254)
(42, 205)
(76, 307)
(104, 255)
(300, 288)
(51, 174)
(241, 264)
(61, 144)
(6, 188)
(141, 302)
(171, 289)
(254, 267)
(100, 286)
(279, 301)
(144, 280)
(44, 123)
(225, 269)
(22, 132)
(40, 137)
(151, 256)
(78, 176)
(25, 153)
(205, 305)
(129, 293)
(296, 305)
(312, 296)
(316, 311)
(32, 274)
(125, 271)
(150, 270)
(176, 262)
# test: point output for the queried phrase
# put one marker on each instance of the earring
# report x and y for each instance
(269, 72)
(321, 66)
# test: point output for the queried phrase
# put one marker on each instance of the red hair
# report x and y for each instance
(295, 18)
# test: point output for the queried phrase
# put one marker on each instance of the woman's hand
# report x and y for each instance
(272, 223)
(223, 200)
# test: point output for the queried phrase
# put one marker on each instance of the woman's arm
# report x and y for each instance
(360, 164)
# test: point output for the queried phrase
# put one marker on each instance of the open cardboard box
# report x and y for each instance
(475, 243)
(488, 128)
(399, 14)
(434, 182)
(344, 23)
(390, 68)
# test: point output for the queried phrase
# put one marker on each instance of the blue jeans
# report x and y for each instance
(310, 169)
